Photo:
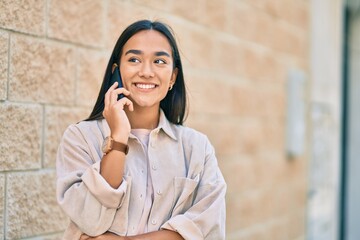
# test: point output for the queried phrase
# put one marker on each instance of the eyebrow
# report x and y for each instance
(139, 52)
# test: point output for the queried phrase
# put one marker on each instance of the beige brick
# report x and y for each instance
(277, 229)
(2, 205)
(288, 170)
(230, 56)
(90, 70)
(233, 213)
(257, 101)
(41, 71)
(294, 12)
(53, 237)
(256, 206)
(155, 4)
(24, 16)
(213, 13)
(208, 94)
(32, 208)
(187, 9)
(263, 206)
(246, 211)
(289, 40)
(77, 21)
(195, 47)
(225, 143)
(120, 14)
(297, 224)
(242, 173)
(4, 49)
(273, 130)
(57, 119)
(20, 135)
(244, 100)
(251, 24)
(263, 66)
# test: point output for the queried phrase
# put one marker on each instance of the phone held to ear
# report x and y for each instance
(117, 78)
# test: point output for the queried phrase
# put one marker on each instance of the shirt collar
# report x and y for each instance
(164, 124)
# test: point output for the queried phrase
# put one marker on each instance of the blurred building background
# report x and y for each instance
(273, 83)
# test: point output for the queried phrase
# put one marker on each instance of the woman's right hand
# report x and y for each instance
(115, 115)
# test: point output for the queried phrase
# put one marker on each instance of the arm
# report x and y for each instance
(112, 164)
(158, 235)
(83, 194)
(205, 219)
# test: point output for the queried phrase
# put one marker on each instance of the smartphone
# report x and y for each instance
(116, 77)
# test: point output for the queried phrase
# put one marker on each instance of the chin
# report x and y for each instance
(146, 104)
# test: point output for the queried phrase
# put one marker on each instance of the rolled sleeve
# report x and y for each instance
(102, 191)
(185, 227)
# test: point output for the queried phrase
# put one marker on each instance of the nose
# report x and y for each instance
(146, 71)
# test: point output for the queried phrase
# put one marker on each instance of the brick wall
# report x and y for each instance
(236, 57)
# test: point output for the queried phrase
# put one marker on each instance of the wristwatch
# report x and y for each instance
(110, 144)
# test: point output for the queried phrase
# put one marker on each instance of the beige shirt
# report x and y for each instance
(189, 189)
(143, 135)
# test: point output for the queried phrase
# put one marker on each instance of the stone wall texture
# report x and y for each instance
(236, 57)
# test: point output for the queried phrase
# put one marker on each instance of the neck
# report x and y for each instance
(146, 118)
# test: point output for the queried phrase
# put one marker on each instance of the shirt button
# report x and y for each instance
(159, 192)
(154, 167)
(153, 222)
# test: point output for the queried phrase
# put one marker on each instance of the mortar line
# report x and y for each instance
(8, 69)
(5, 205)
(53, 40)
(46, 18)
(42, 139)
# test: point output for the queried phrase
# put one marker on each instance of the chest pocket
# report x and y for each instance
(184, 193)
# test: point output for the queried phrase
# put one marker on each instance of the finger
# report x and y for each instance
(125, 102)
(130, 106)
(108, 94)
(113, 97)
(122, 91)
(84, 237)
(115, 84)
(116, 93)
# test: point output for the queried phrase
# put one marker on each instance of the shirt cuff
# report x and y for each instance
(100, 188)
(185, 227)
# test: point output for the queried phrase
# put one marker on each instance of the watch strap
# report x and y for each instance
(119, 147)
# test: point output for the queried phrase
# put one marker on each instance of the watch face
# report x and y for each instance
(106, 147)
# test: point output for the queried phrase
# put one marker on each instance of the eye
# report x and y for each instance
(160, 61)
(134, 60)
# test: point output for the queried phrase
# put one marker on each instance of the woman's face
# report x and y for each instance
(146, 68)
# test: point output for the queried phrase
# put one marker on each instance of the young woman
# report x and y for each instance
(131, 170)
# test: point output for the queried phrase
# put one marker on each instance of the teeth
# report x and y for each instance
(145, 86)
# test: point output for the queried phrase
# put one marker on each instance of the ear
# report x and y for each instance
(173, 76)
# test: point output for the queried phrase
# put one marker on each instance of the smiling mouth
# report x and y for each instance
(145, 86)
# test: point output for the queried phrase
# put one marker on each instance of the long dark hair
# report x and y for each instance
(174, 104)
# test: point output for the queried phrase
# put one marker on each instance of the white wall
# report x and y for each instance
(325, 110)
